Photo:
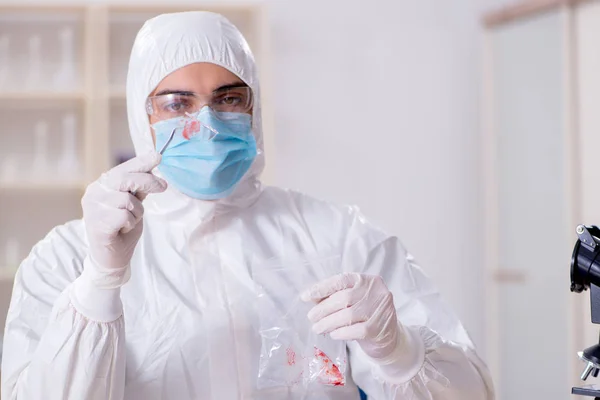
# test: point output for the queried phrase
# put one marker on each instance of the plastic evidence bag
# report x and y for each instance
(291, 353)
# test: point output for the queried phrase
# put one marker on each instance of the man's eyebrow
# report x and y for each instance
(189, 93)
(173, 91)
(230, 86)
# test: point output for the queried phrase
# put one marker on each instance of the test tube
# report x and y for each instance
(11, 254)
(33, 75)
(69, 163)
(40, 149)
(4, 60)
(9, 169)
(65, 78)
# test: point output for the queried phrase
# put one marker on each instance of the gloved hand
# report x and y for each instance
(357, 307)
(113, 215)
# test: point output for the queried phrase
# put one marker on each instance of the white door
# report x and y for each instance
(530, 225)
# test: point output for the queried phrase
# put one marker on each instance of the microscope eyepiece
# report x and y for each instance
(585, 263)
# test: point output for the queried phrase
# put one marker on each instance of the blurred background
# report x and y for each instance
(467, 128)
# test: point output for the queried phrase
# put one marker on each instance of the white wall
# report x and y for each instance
(377, 104)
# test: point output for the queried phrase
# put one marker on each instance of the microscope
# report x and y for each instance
(585, 274)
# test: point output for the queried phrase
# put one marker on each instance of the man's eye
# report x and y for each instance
(231, 100)
(175, 107)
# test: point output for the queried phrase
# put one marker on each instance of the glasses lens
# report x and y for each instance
(236, 100)
(174, 105)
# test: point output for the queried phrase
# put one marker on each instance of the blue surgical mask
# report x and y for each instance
(209, 154)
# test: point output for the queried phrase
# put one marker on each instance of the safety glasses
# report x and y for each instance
(237, 99)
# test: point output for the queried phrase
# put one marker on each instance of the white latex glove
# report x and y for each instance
(357, 307)
(113, 215)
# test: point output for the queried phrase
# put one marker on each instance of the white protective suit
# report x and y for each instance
(185, 325)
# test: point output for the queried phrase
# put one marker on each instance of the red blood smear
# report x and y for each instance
(191, 128)
(291, 356)
(330, 373)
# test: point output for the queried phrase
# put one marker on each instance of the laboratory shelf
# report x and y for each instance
(7, 274)
(42, 95)
(42, 185)
(63, 74)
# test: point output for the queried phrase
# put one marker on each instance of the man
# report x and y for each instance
(152, 295)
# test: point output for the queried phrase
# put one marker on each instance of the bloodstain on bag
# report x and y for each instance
(328, 372)
(291, 356)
